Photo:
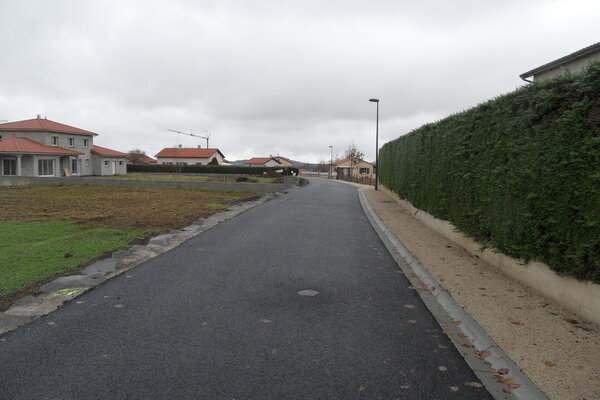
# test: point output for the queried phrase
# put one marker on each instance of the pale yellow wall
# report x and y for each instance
(572, 67)
(357, 167)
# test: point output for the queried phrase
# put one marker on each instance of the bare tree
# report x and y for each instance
(322, 166)
(354, 155)
(136, 156)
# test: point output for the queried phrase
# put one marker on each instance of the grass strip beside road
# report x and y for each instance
(36, 251)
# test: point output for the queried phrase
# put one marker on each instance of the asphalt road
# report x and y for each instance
(221, 317)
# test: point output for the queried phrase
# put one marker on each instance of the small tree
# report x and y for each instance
(136, 156)
(354, 155)
(322, 166)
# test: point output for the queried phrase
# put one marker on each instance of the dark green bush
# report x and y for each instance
(519, 173)
(208, 169)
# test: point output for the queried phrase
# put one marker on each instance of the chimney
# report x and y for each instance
(199, 146)
(39, 116)
(179, 147)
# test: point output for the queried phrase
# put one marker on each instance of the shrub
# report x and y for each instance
(208, 169)
(519, 173)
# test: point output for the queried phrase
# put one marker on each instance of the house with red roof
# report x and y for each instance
(190, 156)
(271, 161)
(108, 162)
(41, 147)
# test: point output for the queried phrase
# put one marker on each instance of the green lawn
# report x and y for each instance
(34, 251)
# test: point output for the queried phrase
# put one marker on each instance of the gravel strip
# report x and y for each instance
(557, 350)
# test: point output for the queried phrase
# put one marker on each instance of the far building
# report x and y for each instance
(139, 158)
(359, 169)
(190, 156)
(572, 63)
(271, 161)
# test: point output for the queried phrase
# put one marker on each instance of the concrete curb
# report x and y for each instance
(63, 289)
(498, 373)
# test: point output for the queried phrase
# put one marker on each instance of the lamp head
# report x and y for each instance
(374, 100)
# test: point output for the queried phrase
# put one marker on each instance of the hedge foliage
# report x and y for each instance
(208, 169)
(519, 173)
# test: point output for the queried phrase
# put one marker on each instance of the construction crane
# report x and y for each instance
(191, 134)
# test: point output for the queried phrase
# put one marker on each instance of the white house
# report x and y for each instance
(190, 156)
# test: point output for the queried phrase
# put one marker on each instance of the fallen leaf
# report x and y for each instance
(265, 321)
(454, 388)
(274, 351)
(468, 346)
(473, 384)
(361, 388)
(483, 354)
(119, 305)
(441, 346)
(412, 321)
(502, 371)
(549, 364)
(461, 335)
(513, 385)
(404, 387)
(482, 288)
(442, 368)
(409, 306)
(517, 323)
(387, 360)
(457, 322)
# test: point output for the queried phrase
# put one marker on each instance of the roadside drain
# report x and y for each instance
(308, 292)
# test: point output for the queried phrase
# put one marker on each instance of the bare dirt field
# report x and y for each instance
(113, 206)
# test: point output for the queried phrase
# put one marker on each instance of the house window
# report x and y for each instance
(54, 140)
(364, 170)
(87, 162)
(45, 167)
(106, 163)
(86, 142)
(120, 162)
(9, 166)
(71, 142)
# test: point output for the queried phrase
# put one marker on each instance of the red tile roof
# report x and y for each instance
(144, 159)
(260, 160)
(176, 152)
(103, 151)
(24, 145)
(44, 125)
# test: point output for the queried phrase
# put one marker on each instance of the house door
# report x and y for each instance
(114, 167)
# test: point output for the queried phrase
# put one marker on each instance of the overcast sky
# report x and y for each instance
(272, 77)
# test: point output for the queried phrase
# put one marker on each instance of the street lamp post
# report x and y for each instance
(376, 143)
(331, 163)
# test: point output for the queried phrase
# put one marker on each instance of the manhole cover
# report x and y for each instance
(308, 292)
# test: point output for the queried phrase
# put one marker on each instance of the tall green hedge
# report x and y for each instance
(208, 169)
(519, 173)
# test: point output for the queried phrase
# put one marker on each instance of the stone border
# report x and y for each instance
(501, 376)
(54, 294)
(582, 298)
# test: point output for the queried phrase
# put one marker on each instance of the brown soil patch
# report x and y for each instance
(113, 206)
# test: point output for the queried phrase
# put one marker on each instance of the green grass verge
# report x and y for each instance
(34, 251)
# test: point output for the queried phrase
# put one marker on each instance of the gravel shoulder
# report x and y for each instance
(556, 349)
